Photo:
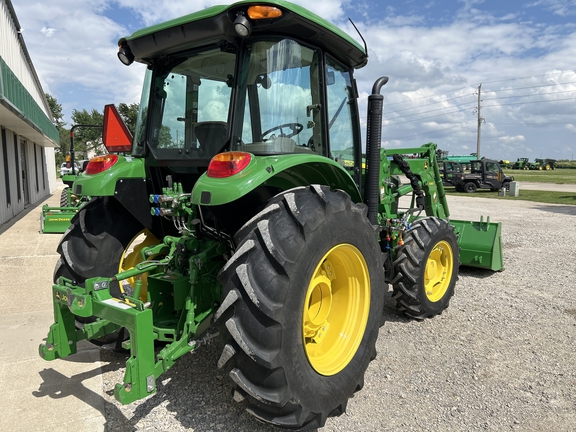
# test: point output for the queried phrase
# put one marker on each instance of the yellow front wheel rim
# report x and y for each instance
(438, 271)
(336, 309)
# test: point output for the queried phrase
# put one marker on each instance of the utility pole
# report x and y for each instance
(480, 120)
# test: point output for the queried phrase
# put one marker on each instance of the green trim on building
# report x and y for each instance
(15, 94)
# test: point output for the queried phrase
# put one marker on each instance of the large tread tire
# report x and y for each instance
(429, 246)
(265, 284)
(94, 244)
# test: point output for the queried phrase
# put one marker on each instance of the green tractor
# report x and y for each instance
(245, 213)
(543, 164)
(522, 164)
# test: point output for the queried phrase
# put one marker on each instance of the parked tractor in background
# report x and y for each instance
(521, 164)
(543, 164)
(484, 173)
(245, 213)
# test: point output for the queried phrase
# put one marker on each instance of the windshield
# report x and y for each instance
(190, 106)
(280, 104)
(280, 100)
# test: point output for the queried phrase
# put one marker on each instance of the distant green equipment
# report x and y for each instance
(57, 219)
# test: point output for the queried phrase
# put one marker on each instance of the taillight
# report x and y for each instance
(101, 163)
(227, 164)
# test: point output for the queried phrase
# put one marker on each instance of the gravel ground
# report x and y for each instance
(501, 357)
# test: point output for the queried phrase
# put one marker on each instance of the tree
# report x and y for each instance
(87, 138)
(129, 114)
(56, 110)
(58, 120)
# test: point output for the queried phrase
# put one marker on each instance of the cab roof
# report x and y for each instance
(216, 24)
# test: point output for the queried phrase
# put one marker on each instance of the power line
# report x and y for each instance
(533, 76)
(431, 103)
(530, 95)
(429, 96)
(528, 102)
(531, 124)
(423, 118)
(432, 132)
(434, 110)
(538, 86)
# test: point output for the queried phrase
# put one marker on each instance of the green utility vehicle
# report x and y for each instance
(244, 213)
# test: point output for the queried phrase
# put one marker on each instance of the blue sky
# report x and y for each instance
(435, 52)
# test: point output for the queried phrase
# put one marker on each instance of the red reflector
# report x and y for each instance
(115, 134)
(227, 164)
(100, 163)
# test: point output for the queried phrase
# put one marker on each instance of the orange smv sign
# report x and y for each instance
(115, 135)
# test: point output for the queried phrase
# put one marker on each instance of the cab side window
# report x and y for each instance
(340, 99)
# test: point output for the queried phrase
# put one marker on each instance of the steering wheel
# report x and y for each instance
(296, 128)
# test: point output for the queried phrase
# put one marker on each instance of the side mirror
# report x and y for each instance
(115, 135)
(264, 80)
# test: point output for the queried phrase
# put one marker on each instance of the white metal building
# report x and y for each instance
(27, 135)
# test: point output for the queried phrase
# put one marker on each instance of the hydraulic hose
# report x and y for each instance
(373, 145)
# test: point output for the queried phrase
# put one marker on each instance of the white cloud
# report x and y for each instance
(48, 31)
(512, 139)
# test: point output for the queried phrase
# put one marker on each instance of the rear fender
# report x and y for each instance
(104, 183)
(126, 181)
(280, 172)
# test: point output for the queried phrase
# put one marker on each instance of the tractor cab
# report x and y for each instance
(259, 91)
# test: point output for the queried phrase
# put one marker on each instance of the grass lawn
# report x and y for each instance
(565, 198)
(559, 176)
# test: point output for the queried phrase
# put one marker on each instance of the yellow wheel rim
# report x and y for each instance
(438, 271)
(132, 256)
(336, 309)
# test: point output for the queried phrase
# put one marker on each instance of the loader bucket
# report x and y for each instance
(56, 219)
(480, 243)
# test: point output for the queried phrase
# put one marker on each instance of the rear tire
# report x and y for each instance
(307, 275)
(426, 268)
(94, 245)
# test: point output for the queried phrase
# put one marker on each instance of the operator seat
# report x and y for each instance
(211, 136)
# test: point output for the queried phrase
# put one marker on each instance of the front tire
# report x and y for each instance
(426, 268)
(302, 306)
